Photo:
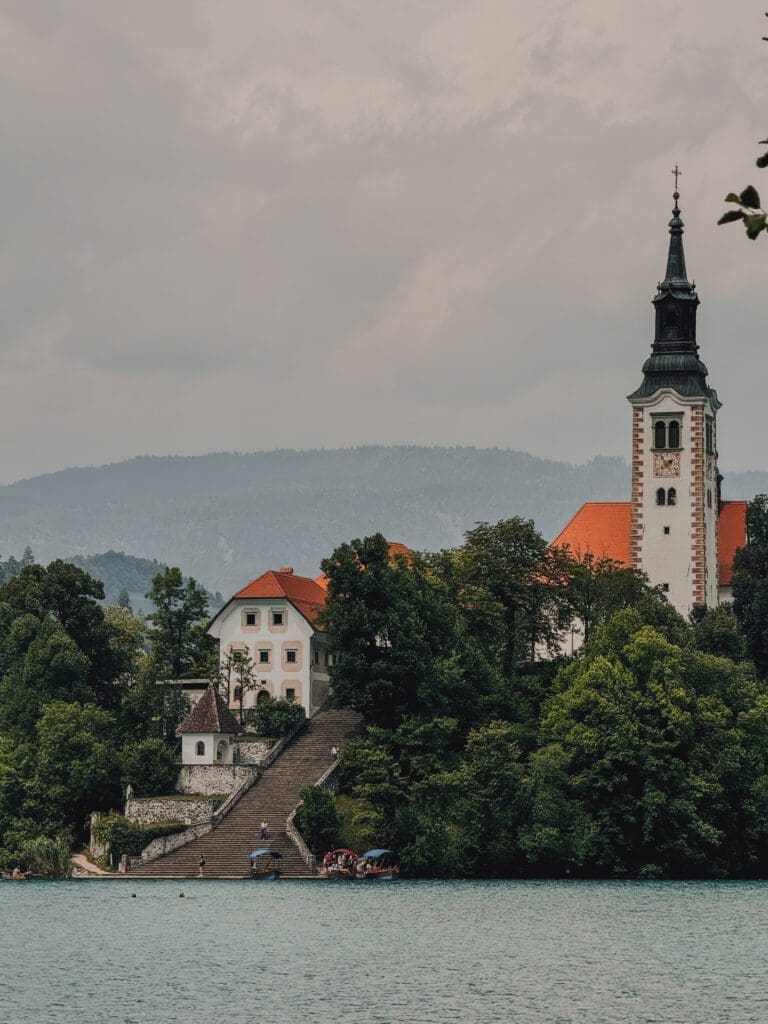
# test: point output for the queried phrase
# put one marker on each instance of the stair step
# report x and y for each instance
(271, 798)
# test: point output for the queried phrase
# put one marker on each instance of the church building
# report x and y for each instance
(676, 528)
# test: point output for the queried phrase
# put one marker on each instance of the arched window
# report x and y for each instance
(200, 748)
(661, 496)
(221, 750)
(671, 496)
(660, 434)
(674, 434)
(263, 697)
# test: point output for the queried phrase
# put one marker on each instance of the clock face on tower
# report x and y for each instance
(666, 464)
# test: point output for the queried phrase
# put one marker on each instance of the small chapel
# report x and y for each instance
(675, 528)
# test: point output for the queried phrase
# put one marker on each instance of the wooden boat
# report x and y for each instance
(379, 865)
(340, 863)
(23, 876)
(265, 865)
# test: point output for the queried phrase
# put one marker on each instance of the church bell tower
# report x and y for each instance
(675, 480)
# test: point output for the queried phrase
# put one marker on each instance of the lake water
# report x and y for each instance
(383, 953)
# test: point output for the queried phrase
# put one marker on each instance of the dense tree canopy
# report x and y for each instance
(82, 713)
(645, 754)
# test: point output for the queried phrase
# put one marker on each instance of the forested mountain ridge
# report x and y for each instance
(225, 517)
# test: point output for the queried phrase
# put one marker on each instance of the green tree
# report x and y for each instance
(596, 588)
(510, 560)
(124, 599)
(179, 644)
(390, 631)
(126, 637)
(76, 765)
(644, 762)
(275, 718)
(318, 820)
(717, 631)
(750, 583)
(149, 767)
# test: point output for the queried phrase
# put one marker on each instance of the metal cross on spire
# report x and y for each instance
(677, 173)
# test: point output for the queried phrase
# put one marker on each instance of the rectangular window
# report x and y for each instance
(277, 618)
(250, 618)
(666, 529)
(263, 656)
(317, 655)
(290, 693)
(665, 587)
(291, 656)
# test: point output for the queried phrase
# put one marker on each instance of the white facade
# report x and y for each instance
(675, 496)
(206, 748)
(290, 656)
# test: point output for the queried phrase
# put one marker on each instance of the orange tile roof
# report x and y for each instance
(306, 595)
(601, 528)
(732, 535)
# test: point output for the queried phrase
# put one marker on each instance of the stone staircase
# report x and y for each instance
(271, 798)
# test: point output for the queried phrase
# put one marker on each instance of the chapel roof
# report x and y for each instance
(210, 715)
(602, 528)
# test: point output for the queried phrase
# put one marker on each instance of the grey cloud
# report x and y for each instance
(414, 222)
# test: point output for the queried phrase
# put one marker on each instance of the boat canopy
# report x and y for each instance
(265, 853)
(376, 853)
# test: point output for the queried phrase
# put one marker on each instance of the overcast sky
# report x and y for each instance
(255, 224)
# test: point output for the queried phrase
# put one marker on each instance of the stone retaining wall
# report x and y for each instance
(252, 751)
(213, 779)
(165, 844)
(148, 810)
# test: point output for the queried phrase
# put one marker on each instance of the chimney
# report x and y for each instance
(287, 570)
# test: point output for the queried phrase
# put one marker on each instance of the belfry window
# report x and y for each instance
(661, 496)
(660, 434)
(671, 496)
(674, 434)
(200, 748)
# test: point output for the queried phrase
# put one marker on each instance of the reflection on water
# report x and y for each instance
(331, 953)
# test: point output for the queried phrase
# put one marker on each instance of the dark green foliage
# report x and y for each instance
(149, 766)
(74, 682)
(644, 756)
(179, 645)
(23, 846)
(717, 631)
(75, 768)
(750, 583)
(596, 588)
(318, 820)
(275, 718)
(130, 837)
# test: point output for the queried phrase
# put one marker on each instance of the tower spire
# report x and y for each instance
(676, 271)
(674, 361)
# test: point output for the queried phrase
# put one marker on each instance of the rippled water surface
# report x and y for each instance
(238, 952)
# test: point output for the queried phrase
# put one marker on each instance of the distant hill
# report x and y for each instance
(118, 571)
(224, 518)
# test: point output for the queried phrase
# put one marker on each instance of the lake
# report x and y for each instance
(383, 953)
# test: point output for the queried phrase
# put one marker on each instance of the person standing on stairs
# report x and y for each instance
(264, 830)
(334, 753)
(201, 865)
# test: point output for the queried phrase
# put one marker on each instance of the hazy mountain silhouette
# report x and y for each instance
(223, 518)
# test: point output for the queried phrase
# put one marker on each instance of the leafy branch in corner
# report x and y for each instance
(750, 211)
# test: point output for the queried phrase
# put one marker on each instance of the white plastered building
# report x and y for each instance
(275, 620)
